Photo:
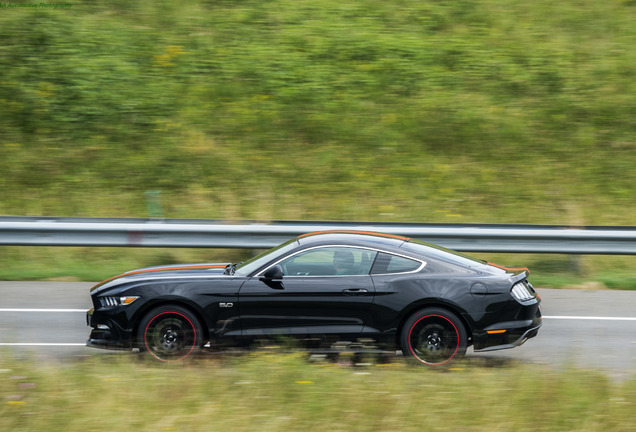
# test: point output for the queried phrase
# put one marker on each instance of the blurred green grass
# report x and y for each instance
(272, 392)
(418, 111)
(96, 264)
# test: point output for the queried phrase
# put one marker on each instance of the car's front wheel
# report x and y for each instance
(169, 333)
(433, 336)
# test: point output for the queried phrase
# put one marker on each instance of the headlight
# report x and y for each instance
(111, 301)
(522, 292)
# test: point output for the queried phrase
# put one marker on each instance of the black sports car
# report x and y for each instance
(320, 288)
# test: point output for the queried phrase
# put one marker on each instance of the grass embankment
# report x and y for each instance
(425, 111)
(283, 392)
(96, 264)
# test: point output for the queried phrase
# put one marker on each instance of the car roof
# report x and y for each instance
(351, 237)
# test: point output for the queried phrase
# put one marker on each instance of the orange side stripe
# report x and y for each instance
(495, 331)
(355, 232)
(158, 269)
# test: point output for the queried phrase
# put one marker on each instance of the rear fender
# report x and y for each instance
(429, 303)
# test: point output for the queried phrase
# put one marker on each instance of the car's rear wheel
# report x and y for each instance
(169, 333)
(433, 336)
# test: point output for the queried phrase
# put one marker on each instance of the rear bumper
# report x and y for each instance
(521, 321)
(504, 338)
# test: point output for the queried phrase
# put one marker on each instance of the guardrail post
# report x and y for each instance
(575, 264)
(153, 203)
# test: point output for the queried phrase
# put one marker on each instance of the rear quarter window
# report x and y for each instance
(388, 263)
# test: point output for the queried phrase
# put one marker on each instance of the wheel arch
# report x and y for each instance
(433, 303)
(177, 301)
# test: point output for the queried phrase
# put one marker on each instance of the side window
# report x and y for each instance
(387, 263)
(329, 261)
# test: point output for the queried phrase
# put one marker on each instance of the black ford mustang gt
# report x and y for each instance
(429, 302)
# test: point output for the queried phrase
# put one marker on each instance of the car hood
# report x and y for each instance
(161, 271)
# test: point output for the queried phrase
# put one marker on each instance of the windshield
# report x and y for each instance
(253, 264)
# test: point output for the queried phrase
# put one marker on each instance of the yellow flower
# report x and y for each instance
(171, 52)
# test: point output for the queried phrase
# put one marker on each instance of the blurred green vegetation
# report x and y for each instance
(427, 111)
(276, 392)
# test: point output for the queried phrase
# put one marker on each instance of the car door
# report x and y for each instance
(323, 291)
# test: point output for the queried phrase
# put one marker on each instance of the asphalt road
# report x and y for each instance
(584, 328)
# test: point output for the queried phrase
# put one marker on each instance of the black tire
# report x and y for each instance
(169, 333)
(433, 336)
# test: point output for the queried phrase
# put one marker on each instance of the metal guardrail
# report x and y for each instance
(192, 233)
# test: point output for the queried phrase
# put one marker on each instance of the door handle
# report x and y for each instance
(355, 291)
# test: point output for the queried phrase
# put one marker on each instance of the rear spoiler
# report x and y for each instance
(511, 270)
(520, 273)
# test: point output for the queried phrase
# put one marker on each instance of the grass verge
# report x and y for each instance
(271, 392)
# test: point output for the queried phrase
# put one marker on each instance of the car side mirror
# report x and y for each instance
(273, 277)
(273, 273)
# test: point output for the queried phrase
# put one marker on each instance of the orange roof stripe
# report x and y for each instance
(185, 267)
(377, 234)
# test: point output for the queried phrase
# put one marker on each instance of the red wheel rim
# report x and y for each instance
(170, 338)
(435, 338)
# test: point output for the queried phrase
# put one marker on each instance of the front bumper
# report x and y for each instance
(106, 333)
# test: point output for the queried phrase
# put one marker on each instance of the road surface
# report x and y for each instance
(593, 329)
